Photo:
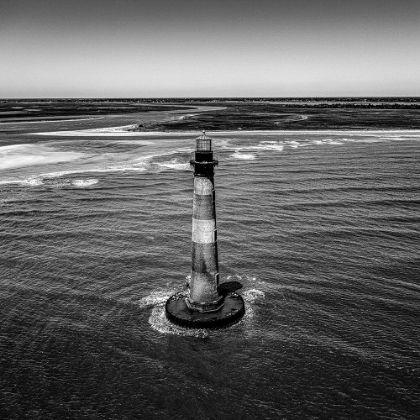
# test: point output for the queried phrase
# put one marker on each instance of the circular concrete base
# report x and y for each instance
(232, 311)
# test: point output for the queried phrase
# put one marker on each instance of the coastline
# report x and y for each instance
(122, 131)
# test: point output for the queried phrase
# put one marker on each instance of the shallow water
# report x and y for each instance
(321, 229)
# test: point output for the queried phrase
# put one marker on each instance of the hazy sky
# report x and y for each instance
(180, 48)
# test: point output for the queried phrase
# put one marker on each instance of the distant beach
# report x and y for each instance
(123, 131)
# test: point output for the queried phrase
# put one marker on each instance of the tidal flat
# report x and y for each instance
(213, 114)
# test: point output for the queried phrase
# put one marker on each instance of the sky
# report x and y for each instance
(211, 48)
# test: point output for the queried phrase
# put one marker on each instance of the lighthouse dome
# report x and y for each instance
(203, 143)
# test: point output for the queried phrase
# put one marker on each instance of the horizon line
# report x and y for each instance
(212, 97)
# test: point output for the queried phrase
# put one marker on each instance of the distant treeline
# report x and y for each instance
(225, 99)
(311, 102)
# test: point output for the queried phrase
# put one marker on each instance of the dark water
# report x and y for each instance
(322, 230)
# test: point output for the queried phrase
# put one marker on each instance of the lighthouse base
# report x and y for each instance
(231, 311)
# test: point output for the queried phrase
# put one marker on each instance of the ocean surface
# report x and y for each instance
(322, 229)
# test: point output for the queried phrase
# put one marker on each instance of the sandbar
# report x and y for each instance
(124, 131)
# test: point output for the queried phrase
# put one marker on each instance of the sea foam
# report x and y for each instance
(243, 156)
(175, 164)
(158, 321)
(253, 295)
(21, 155)
(82, 183)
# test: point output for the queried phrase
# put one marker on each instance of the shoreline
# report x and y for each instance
(122, 131)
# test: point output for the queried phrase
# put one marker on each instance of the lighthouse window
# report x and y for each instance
(203, 145)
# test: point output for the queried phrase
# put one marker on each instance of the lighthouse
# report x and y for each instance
(206, 303)
(203, 294)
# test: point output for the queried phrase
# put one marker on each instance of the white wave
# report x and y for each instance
(239, 278)
(121, 168)
(100, 166)
(58, 174)
(175, 164)
(157, 297)
(253, 295)
(249, 314)
(139, 166)
(293, 144)
(271, 145)
(32, 182)
(328, 141)
(160, 323)
(158, 320)
(9, 181)
(17, 156)
(264, 145)
(243, 156)
(221, 143)
(82, 183)
(52, 180)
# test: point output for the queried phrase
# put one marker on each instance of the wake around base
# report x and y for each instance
(232, 310)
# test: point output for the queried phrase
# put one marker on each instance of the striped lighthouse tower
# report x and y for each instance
(206, 303)
(203, 294)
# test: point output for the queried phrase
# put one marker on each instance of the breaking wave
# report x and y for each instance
(157, 297)
(22, 155)
(160, 323)
(271, 145)
(52, 180)
(82, 183)
(253, 295)
(157, 319)
(243, 156)
(175, 164)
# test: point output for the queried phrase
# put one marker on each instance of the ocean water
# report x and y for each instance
(322, 229)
